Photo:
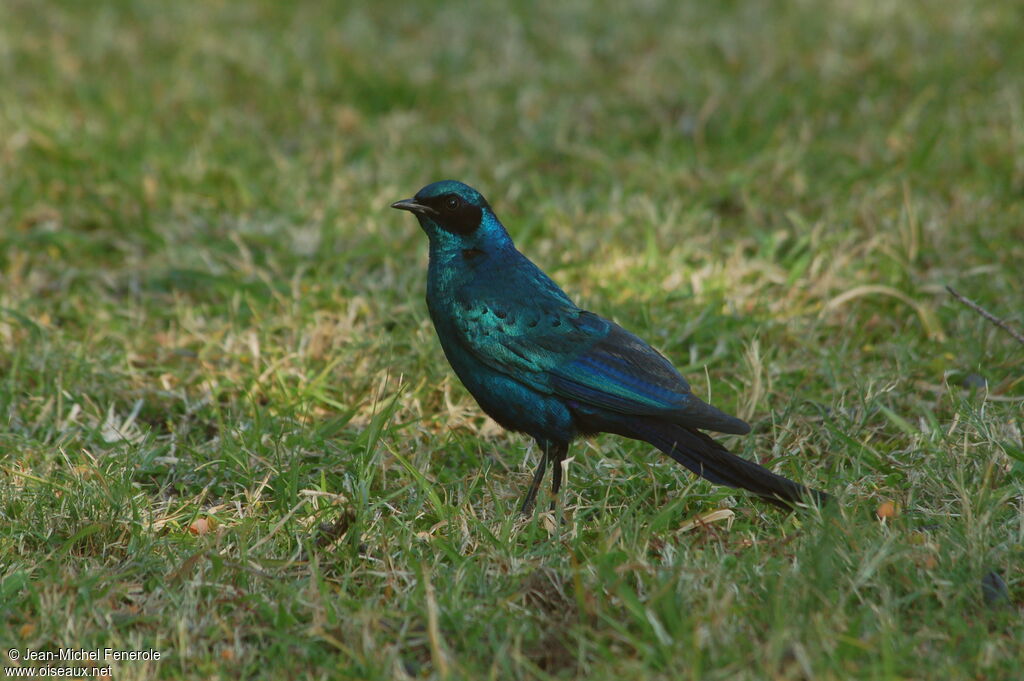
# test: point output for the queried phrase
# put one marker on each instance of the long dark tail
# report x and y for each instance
(710, 460)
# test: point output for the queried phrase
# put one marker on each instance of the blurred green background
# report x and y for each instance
(209, 312)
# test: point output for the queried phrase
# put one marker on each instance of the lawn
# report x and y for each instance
(228, 433)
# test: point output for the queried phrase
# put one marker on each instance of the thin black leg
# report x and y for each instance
(558, 453)
(538, 477)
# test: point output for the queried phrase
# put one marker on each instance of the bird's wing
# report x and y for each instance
(622, 373)
(560, 349)
(526, 342)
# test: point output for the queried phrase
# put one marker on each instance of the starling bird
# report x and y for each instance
(538, 364)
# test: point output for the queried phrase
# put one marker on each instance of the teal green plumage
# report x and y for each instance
(538, 364)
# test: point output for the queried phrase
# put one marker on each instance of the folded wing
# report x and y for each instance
(589, 361)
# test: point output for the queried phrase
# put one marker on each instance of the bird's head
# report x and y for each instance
(454, 215)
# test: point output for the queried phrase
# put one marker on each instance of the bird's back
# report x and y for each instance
(505, 283)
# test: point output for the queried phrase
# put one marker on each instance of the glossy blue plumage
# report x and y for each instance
(538, 364)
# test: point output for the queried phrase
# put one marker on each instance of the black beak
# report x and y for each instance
(413, 207)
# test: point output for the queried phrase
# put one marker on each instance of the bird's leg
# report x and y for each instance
(538, 477)
(558, 453)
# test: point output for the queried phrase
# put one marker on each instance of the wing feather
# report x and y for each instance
(559, 349)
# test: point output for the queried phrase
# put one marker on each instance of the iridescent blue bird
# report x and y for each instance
(538, 364)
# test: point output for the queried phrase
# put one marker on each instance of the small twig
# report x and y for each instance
(987, 315)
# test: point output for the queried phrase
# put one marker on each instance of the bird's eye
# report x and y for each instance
(452, 202)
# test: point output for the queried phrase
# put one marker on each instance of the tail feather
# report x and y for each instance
(710, 460)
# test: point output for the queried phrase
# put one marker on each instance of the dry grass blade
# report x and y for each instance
(705, 519)
(437, 649)
(931, 325)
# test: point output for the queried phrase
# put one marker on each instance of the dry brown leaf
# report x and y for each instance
(886, 510)
(201, 526)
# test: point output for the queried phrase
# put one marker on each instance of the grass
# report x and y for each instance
(207, 311)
